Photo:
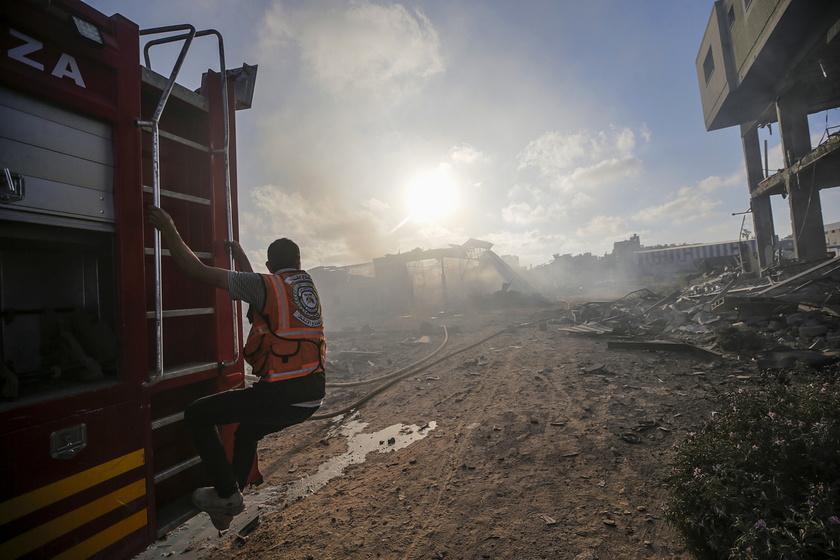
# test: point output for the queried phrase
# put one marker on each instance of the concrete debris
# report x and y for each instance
(597, 368)
(664, 346)
(588, 328)
(705, 318)
(786, 319)
(425, 339)
(630, 437)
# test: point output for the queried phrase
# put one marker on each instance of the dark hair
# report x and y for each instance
(283, 253)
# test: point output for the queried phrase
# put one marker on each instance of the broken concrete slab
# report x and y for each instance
(812, 331)
(588, 328)
(705, 318)
(826, 267)
(661, 345)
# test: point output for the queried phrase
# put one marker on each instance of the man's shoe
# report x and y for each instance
(206, 499)
(220, 520)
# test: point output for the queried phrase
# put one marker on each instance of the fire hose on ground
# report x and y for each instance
(399, 375)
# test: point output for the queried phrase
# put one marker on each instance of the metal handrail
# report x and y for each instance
(187, 37)
(153, 126)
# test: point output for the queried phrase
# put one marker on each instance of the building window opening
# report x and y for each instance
(708, 66)
(731, 16)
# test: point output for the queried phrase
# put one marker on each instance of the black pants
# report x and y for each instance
(259, 410)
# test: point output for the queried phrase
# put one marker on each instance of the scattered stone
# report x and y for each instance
(630, 437)
(812, 331)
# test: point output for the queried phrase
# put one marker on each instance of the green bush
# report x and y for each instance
(762, 478)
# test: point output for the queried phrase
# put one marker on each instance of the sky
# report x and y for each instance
(544, 127)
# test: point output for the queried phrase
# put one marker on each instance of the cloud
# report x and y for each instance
(711, 184)
(621, 141)
(692, 204)
(567, 162)
(522, 213)
(523, 190)
(601, 227)
(550, 210)
(376, 206)
(606, 172)
(325, 229)
(358, 48)
(554, 153)
(465, 153)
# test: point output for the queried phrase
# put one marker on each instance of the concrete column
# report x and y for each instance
(765, 232)
(762, 212)
(803, 197)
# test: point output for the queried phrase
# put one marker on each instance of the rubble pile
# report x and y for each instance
(789, 317)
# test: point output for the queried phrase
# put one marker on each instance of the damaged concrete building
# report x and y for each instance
(775, 62)
(432, 280)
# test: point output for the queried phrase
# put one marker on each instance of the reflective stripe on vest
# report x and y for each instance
(271, 376)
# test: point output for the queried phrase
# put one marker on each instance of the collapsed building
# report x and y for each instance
(775, 62)
(433, 280)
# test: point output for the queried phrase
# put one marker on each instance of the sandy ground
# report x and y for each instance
(532, 444)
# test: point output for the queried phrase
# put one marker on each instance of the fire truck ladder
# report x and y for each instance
(153, 126)
(169, 519)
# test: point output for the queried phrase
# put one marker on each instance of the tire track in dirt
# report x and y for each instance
(498, 454)
(446, 468)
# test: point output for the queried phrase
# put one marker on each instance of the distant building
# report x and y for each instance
(625, 252)
(832, 236)
(691, 258)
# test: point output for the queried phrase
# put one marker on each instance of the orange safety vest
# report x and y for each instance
(287, 337)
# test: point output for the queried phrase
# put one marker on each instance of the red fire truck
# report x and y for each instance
(104, 343)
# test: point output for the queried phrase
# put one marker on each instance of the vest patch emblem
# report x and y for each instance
(308, 307)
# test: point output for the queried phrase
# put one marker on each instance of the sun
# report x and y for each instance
(431, 196)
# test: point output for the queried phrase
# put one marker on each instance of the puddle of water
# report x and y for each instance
(392, 438)
(196, 537)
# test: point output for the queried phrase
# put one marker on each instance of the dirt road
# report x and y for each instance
(533, 444)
